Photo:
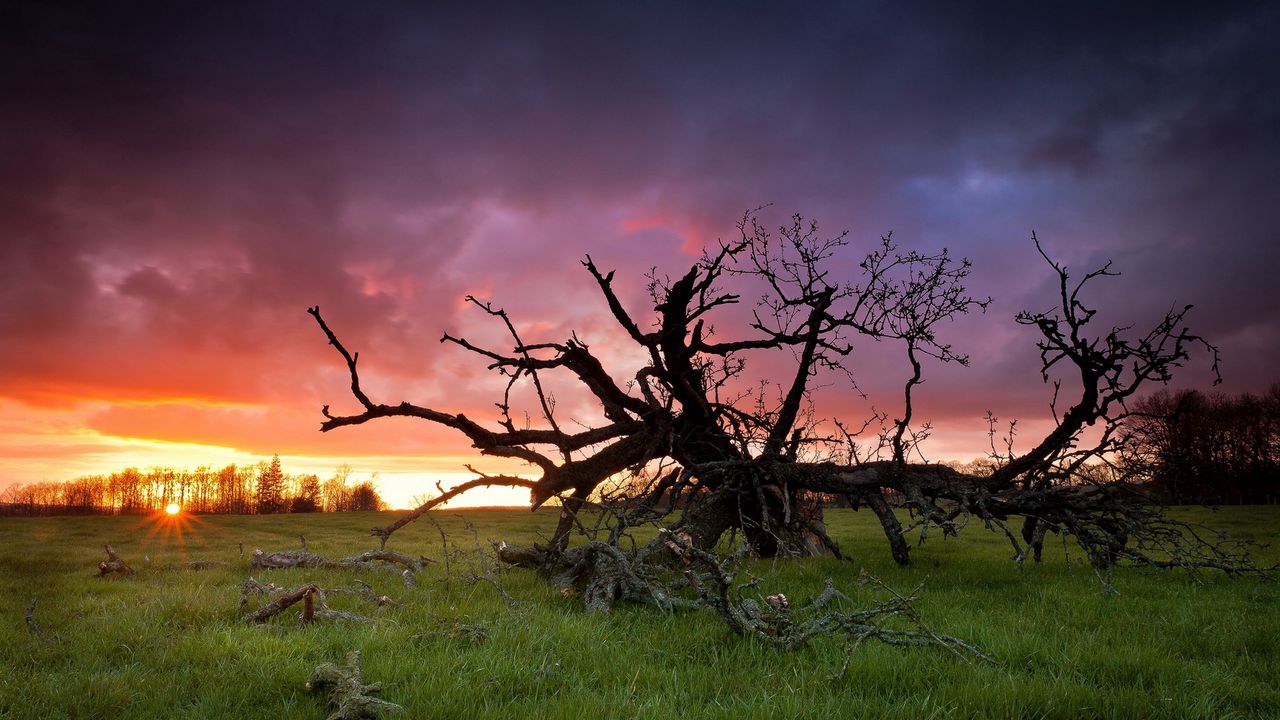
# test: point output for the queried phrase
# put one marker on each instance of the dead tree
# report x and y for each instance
(704, 452)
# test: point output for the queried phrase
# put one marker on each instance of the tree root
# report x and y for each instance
(347, 692)
(371, 560)
(605, 574)
(113, 564)
(600, 572)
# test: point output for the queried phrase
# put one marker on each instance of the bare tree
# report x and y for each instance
(685, 441)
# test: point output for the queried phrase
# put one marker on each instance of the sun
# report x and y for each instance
(171, 523)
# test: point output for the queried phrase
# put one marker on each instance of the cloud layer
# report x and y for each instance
(179, 186)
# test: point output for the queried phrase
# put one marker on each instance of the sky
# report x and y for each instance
(178, 185)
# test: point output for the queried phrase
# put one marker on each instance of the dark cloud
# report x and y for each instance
(180, 183)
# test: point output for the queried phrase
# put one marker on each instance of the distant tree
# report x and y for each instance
(226, 489)
(84, 495)
(234, 489)
(271, 488)
(127, 485)
(308, 497)
(42, 498)
(364, 496)
(202, 490)
(335, 493)
(1194, 447)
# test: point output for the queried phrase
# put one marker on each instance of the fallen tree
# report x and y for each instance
(687, 442)
(380, 559)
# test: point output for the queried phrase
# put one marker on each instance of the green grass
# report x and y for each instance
(168, 643)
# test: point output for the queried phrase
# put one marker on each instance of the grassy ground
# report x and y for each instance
(168, 643)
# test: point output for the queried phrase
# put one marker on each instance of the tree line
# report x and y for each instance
(258, 488)
(1210, 448)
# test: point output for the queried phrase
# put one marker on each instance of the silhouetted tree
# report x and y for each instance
(335, 491)
(707, 452)
(364, 496)
(128, 484)
(201, 497)
(1207, 448)
(270, 498)
(308, 497)
(231, 490)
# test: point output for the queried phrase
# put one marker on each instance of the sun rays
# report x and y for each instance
(170, 527)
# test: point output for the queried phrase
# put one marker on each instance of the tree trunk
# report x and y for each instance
(892, 528)
(790, 528)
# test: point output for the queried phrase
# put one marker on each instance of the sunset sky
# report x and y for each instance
(179, 186)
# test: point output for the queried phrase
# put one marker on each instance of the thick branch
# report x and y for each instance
(384, 533)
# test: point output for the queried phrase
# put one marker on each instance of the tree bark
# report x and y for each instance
(898, 546)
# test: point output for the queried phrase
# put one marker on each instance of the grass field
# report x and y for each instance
(168, 643)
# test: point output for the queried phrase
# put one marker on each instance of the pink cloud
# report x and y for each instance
(176, 192)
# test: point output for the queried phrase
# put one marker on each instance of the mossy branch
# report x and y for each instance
(347, 692)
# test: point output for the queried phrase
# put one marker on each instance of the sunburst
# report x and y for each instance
(170, 526)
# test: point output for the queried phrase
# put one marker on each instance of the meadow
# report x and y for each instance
(167, 642)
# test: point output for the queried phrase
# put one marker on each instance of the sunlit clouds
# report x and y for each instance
(180, 185)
